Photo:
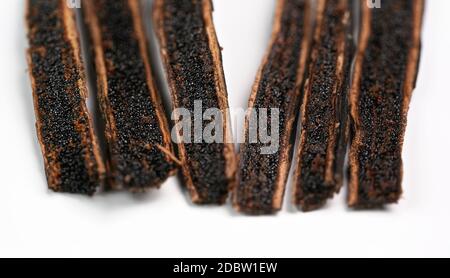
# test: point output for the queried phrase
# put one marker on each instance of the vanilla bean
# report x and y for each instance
(384, 78)
(262, 176)
(193, 63)
(69, 146)
(324, 114)
(137, 133)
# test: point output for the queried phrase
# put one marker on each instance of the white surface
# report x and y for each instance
(36, 222)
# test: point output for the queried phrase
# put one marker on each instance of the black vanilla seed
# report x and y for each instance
(262, 176)
(140, 153)
(324, 114)
(193, 62)
(69, 147)
(384, 78)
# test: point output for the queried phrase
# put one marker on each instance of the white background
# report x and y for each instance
(37, 222)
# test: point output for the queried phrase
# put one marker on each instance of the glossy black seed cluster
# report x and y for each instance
(380, 103)
(191, 69)
(326, 107)
(136, 161)
(64, 124)
(258, 172)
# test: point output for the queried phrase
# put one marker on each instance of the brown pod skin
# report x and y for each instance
(193, 63)
(324, 113)
(384, 77)
(140, 153)
(262, 177)
(65, 131)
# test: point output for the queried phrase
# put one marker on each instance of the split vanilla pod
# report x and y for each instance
(64, 127)
(192, 58)
(262, 177)
(324, 113)
(384, 78)
(140, 152)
